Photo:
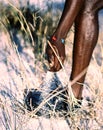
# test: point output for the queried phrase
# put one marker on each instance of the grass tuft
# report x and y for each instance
(26, 70)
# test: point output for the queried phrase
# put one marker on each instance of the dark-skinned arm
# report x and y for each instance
(71, 10)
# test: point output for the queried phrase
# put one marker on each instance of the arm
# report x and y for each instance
(71, 10)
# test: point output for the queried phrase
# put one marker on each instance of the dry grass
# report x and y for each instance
(18, 72)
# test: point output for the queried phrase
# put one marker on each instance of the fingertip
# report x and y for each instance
(51, 64)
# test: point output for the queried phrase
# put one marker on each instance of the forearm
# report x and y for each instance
(71, 10)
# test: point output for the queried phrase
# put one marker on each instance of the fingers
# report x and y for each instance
(54, 63)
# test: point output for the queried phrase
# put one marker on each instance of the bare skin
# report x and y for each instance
(84, 13)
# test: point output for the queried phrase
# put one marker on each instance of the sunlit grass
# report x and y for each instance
(20, 71)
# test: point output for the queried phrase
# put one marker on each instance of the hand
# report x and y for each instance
(52, 58)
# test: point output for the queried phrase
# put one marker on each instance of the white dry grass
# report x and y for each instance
(18, 73)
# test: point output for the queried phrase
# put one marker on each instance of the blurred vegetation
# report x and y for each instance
(33, 23)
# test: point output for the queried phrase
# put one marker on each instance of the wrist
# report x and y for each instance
(56, 39)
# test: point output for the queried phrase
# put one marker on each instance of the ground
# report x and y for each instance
(20, 71)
